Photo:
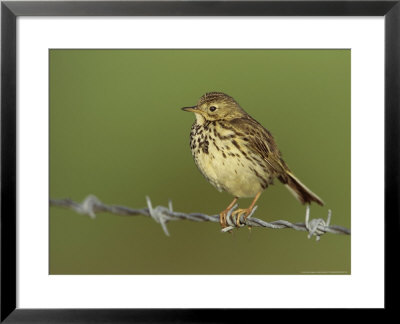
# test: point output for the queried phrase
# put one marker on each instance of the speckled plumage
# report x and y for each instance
(221, 153)
(236, 153)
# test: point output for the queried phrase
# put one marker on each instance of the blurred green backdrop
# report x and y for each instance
(117, 131)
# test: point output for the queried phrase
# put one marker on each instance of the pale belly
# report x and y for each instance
(241, 177)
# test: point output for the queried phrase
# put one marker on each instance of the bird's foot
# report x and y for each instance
(239, 212)
(222, 218)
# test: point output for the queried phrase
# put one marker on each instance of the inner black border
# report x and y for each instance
(10, 10)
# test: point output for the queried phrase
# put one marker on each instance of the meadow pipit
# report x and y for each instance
(237, 154)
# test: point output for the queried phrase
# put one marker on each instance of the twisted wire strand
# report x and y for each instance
(162, 215)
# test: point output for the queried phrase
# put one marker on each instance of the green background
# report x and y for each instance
(117, 131)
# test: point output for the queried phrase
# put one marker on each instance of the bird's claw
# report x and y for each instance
(245, 212)
(222, 219)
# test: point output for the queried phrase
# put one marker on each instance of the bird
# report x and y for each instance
(236, 154)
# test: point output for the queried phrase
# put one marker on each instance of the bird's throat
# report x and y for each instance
(200, 120)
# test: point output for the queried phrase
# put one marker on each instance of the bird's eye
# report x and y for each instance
(213, 108)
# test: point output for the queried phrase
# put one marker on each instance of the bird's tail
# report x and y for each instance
(299, 190)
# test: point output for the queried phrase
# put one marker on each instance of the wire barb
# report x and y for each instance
(162, 215)
(317, 226)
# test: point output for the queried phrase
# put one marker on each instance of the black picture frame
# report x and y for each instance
(10, 10)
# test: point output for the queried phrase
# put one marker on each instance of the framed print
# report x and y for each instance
(164, 158)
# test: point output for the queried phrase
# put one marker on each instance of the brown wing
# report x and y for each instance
(261, 142)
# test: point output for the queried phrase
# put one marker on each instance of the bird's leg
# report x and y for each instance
(239, 212)
(224, 213)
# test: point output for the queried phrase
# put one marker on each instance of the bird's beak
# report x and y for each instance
(192, 109)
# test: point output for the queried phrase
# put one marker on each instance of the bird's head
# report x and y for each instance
(216, 106)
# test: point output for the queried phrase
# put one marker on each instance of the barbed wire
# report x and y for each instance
(162, 215)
